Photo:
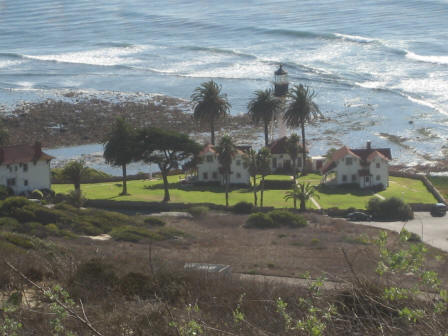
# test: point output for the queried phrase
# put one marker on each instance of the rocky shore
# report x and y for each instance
(59, 123)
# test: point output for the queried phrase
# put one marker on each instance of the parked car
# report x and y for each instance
(359, 216)
(438, 210)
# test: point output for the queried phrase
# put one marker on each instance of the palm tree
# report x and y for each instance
(74, 171)
(264, 168)
(303, 192)
(209, 105)
(226, 151)
(293, 147)
(300, 111)
(250, 161)
(263, 108)
(119, 147)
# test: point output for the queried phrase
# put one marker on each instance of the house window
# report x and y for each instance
(215, 175)
(15, 168)
(238, 175)
(238, 162)
(281, 156)
(378, 165)
(287, 164)
(25, 167)
(348, 161)
(378, 177)
(11, 182)
(274, 163)
(354, 178)
(205, 176)
(299, 162)
(25, 183)
(344, 178)
(209, 158)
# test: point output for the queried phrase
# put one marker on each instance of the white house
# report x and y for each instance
(281, 161)
(209, 169)
(24, 168)
(366, 167)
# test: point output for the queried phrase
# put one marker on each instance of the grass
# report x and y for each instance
(441, 183)
(410, 190)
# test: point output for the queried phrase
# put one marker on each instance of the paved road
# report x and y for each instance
(433, 230)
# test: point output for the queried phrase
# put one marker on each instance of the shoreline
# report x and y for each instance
(59, 123)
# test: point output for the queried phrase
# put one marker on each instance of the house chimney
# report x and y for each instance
(369, 145)
(37, 149)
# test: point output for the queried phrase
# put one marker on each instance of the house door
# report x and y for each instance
(367, 181)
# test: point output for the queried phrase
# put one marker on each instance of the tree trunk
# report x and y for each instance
(227, 190)
(212, 131)
(261, 191)
(302, 205)
(125, 187)
(303, 147)
(294, 181)
(77, 184)
(255, 190)
(266, 134)
(166, 196)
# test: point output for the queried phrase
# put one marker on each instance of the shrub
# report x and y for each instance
(136, 284)
(5, 192)
(17, 239)
(243, 208)
(93, 278)
(391, 209)
(153, 221)
(260, 220)
(287, 218)
(9, 224)
(133, 234)
(198, 211)
(9, 205)
(37, 194)
(76, 198)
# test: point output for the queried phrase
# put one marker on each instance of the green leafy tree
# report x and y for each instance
(226, 150)
(210, 105)
(263, 107)
(119, 147)
(302, 192)
(264, 168)
(301, 110)
(293, 147)
(250, 160)
(167, 149)
(74, 171)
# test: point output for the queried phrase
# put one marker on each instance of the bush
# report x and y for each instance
(9, 224)
(5, 192)
(133, 234)
(198, 211)
(136, 284)
(260, 220)
(9, 205)
(37, 194)
(153, 221)
(391, 209)
(76, 198)
(243, 208)
(93, 278)
(287, 218)
(17, 239)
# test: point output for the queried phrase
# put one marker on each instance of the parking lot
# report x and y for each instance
(433, 230)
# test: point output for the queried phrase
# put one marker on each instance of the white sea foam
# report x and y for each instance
(356, 38)
(104, 56)
(428, 59)
(6, 64)
(372, 84)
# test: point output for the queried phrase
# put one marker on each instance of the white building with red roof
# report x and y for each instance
(366, 167)
(280, 159)
(209, 169)
(24, 168)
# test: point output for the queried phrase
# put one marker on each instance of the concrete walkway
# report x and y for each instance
(432, 230)
(317, 205)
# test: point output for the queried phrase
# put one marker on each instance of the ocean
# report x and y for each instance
(379, 68)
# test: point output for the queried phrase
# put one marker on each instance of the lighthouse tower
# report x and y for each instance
(281, 85)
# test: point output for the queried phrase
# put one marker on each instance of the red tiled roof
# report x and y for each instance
(209, 148)
(22, 154)
(280, 146)
(364, 154)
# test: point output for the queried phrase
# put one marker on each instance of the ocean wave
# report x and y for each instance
(427, 59)
(102, 57)
(219, 51)
(8, 63)
(356, 38)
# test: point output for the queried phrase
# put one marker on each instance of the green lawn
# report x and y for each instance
(441, 183)
(412, 191)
